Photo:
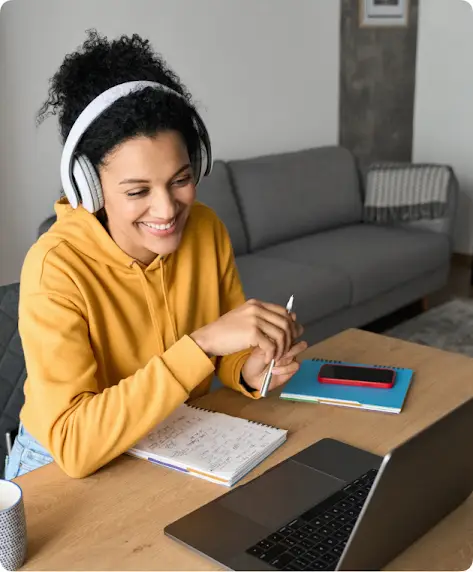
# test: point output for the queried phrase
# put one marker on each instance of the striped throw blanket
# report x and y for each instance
(399, 192)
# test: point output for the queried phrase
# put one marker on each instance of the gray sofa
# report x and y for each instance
(296, 225)
(295, 221)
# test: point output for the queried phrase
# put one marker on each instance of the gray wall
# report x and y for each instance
(443, 126)
(377, 85)
(265, 75)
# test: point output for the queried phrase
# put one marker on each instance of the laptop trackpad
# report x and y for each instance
(281, 494)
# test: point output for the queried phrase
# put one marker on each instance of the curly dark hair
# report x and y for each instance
(100, 64)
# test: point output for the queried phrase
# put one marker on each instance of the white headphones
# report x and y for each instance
(80, 181)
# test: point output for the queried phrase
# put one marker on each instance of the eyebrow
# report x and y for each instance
(144, 181)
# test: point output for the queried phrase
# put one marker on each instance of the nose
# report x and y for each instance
(162, 206)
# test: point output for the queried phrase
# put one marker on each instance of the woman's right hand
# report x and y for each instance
(254, 324)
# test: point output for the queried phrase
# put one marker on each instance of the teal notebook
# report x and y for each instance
(304, 386)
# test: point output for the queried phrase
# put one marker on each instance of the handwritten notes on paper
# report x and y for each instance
(208, 441)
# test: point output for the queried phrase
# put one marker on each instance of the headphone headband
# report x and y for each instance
(94, 109)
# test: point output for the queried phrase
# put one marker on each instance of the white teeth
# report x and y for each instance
(160, 226)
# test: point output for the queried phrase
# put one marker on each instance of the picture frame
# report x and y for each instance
(384, 13)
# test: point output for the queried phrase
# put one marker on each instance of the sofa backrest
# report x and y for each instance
(289, 195)
(12, 366)
(216, 192)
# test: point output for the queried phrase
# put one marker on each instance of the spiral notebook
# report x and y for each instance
(304, 386)
(209, 445)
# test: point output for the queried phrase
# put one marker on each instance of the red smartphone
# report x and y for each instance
(357, 375)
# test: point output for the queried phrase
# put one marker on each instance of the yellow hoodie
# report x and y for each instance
(106, 340)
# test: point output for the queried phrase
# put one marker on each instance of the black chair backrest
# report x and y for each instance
(46, 225)
(12, 366)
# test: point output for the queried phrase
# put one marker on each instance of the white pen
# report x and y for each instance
(269, 373)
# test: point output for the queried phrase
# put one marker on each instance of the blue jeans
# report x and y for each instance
(26, 455)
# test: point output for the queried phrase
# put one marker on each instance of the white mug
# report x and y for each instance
(13, 542)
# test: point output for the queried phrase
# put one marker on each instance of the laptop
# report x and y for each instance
(333, 506)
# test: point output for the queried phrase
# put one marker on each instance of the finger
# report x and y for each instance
(276, 334)
(253, 302)
(283, 361)
(289, 369)
(279, 310)
(278, 315)
(281, 379)
(297, 329)
(294, 351)
(276, 308)
(283, 322)
(258, 311)
(266, 345)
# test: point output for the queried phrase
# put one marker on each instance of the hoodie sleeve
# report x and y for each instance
(82, 426)
(228, 368)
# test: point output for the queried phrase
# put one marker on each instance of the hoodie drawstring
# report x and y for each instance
(163, 285)
(151, 308)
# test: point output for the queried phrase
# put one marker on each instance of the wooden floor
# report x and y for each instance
(458, 287)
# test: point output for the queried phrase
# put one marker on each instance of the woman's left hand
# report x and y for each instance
(256, 366)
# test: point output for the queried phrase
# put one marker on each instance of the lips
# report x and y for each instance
(160, 229)
(160, 226)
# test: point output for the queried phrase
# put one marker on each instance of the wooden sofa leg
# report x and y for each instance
(425, 304)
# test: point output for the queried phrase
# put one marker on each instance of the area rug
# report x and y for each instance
(448, 327)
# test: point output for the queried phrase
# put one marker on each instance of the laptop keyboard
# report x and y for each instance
(315, 540)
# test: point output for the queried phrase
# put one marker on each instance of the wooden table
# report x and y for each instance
(114, 519)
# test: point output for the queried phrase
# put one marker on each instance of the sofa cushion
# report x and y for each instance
(375, 258)
(317, 291)
(216, 192)
(291, 195)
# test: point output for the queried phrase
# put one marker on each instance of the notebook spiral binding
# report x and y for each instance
(200, 408)
(371, 365)
(247, 420)
(261, 424)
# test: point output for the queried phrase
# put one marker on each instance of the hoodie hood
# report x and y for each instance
(83, 231)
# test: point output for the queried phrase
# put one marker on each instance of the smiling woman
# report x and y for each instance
(132, 300)
(147, 213)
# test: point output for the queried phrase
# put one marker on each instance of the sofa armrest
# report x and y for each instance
(445, 224)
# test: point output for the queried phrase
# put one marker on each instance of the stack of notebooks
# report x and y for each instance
(304, 386)
(209, 445)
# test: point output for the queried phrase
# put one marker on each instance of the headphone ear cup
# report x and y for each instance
(72, 191)
(197, 164)
(204, 160)
(88, 183)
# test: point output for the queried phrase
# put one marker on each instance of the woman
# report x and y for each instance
(131, 301)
